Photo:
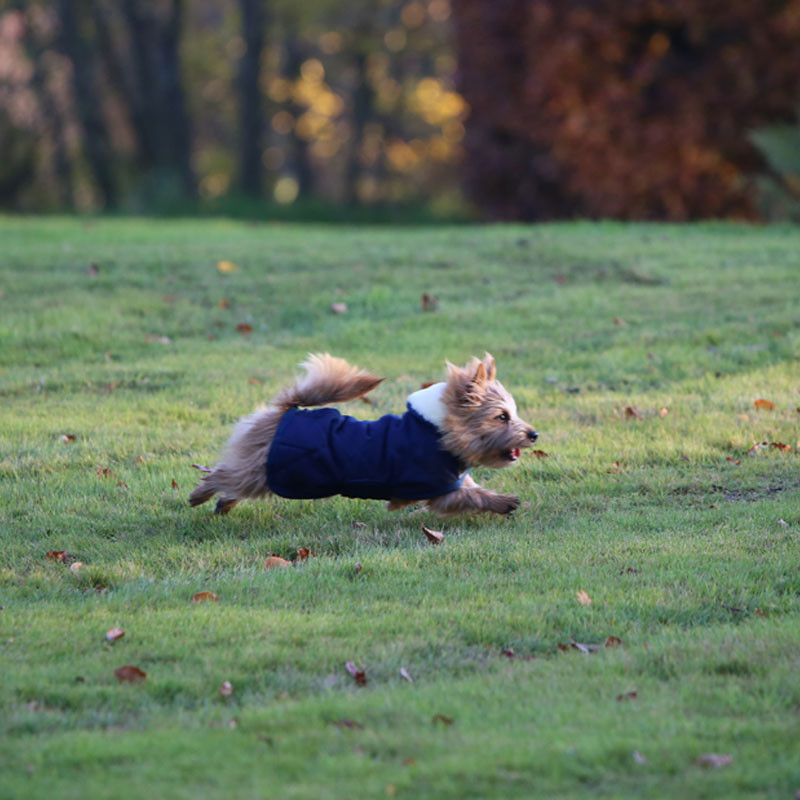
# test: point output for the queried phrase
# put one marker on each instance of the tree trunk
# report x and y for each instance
(251, 116)
(97, 146)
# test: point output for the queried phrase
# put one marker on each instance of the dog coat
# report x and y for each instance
(321, 452)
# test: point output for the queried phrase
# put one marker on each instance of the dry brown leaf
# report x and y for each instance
(734, 460)
(426, 385)
(62, 556)
(434, 537)
(202, 597)
(255, 381)
(339, 308)
(358, 675)
(358, 567)
(303, 553)
(584, 599)
(429, 303)
(442, 718)
(348, 723)
(614, 467)
(67, 438)
(540, 454)
(112, 634)
(786, 448)
(130, 674)
(713, 760)
(508, 652)
(663, 413)
(226, 689)
(357, 524)
(627, 696)
(620, 322)
(761, 613)
(244, 328)
(174, 484)
(613, 641)
(276, 561)
(105, 472)
(767, 405)
(632, 413)
(224, 303)
(226, 267)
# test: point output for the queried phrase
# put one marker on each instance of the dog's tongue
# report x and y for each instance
(515, 453)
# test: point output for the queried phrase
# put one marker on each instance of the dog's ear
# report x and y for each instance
(489, 365)
(475, 386)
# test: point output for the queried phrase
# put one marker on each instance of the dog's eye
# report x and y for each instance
(503, 417)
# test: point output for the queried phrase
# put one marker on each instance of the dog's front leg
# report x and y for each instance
(471, 498)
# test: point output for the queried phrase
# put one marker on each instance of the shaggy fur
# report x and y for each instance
(480, 427)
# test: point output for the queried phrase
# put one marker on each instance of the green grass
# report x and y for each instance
(682, 550)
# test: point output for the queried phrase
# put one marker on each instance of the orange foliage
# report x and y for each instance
(636, 109)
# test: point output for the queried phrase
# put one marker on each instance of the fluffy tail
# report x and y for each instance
(327, 380)
(241, 473)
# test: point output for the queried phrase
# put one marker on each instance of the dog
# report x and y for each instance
(423, 456)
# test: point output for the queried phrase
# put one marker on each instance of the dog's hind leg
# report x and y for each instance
(225, 504)
(203, 492)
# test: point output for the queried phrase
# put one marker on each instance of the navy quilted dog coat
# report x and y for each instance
(322, 452)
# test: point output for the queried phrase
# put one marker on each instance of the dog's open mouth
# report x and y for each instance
(513, 454)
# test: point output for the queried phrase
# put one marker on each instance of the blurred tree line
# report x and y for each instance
(529, 109)
(164, 104)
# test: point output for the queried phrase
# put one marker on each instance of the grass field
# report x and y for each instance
(121, 365)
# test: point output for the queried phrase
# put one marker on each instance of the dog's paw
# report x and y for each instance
(505, 504)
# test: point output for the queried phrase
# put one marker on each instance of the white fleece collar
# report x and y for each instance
(428, 403)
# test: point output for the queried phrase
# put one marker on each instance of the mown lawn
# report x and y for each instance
(121, 365)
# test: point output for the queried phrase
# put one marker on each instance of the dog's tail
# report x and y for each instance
(327, 380)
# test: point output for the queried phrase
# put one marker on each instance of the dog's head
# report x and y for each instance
(482, 426)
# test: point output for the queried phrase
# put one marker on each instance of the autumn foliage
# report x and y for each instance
(637, 109)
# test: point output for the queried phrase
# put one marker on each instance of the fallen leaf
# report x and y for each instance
(357, 524)
(303, 553)
(358, 675)
(540, 454)
(426, 385)
(130, 674)
(348, 723)
(153, 339)
(201, 597)
(62, 556)
(226, 267)
(226, 689)
(563, 647)
(405, 676)
(508, 652)
(174, 484)
(786, 448)
(435, 537)
(584, 599)
(614, 467)
(713, 760)
(276, 561)
(255, 381)
(442, 718)
(67, 437)
(639, 758)
(75, 567)
(613, 641)
(734, 460)
(112, 634)
(339, 308)
(202, 468)
(627, 696)
(409, 762)
(244, 328)
(663, 413)
(768, 405)
(358, 567)
(761, 613)
(620, 322)
(632, 413)
(105, 472)
(224, 303)
(429, 303)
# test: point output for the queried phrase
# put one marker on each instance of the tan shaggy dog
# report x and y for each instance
(425, 455)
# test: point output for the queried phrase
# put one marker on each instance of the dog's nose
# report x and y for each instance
(533, 436)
